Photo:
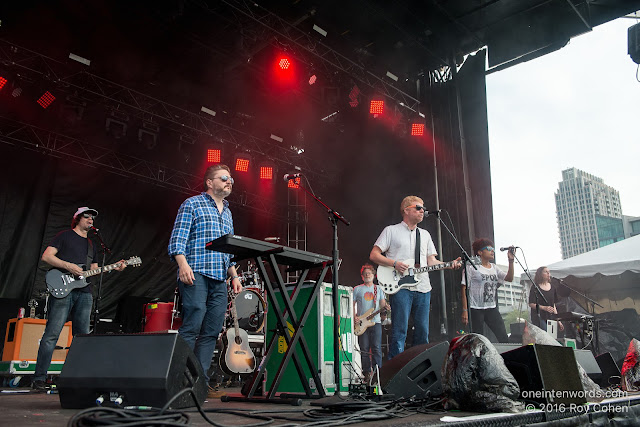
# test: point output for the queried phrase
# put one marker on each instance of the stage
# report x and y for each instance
(22, 407)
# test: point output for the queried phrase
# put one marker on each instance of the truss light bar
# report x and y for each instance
(392, 76)
(3, 81)
(208, 111)
(80, 59)
(284, 63)
(46, 99)
(417, 129)
(320, 30)
(276, 138)
(266, 172)
(376, 107)
(214, 155)
(294, 183)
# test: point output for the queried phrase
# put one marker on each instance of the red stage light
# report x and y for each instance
(294, 183)
(46, 99)
(213, 156)
(284, 63)
(242, 165)
(312, 79)
(266, 172)
(377, 107)
(3, 81)
(417, 129)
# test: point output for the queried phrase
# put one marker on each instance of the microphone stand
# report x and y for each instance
(334, 217)
(465, 259)
(534, 284)
(96, 312)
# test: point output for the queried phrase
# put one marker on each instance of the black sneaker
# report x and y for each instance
(39, 385)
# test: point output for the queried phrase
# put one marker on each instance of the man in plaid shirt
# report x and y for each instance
(201, 272)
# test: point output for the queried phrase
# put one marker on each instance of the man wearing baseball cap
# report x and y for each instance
(68, 250)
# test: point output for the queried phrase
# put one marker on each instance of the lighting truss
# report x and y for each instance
(304, 44)
(31, 137)
(112, 95)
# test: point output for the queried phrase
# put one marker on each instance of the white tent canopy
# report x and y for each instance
(609, 260)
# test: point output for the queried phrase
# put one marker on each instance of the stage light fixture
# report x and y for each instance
(266, 172)
(294, 183)
(116, 124)
(46, 99)
(320, 30)
(80, 59)
(16, 92)
(276, 138)
(242, 162)
(392, 76)
(376, 107)
(3, 81)
(312, 79)
(214, 155)
(417, 129)
(284, 63)
(354, 95)
(208, 111)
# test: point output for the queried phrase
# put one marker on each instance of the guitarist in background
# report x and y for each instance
(369, 297)
(398, 243)
(68, 250)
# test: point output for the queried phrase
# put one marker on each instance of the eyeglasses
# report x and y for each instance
(489, 248)
(417, 207)
(225, 178)
(86, 215)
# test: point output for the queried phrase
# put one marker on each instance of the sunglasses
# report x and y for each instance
(489, 248)
(86, 215)
(417, 207)
(225, 178)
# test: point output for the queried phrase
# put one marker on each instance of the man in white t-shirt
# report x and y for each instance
(483, 291)
(395, 245)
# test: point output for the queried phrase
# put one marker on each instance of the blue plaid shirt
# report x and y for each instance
(198, 222)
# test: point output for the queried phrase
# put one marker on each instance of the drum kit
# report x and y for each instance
(251, 307)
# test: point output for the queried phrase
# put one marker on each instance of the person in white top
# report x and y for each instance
(395, 245)
(483, 291)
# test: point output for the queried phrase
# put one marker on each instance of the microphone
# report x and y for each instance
(508, 248)
(434, 212)
(272, 239)
(95, 229)
(290, 176)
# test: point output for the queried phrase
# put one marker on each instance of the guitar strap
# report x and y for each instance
(375, 295)
(416, 255)
(89, 253)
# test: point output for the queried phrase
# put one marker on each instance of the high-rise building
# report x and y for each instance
(510, 295)
(589, 213)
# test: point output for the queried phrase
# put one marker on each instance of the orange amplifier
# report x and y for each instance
(22, 339)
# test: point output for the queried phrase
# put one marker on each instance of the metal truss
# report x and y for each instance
(114, 96)
(304, 44)
(31, 137)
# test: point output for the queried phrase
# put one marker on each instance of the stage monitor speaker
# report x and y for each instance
(633, 39)
(587, 360)
(416, 371)
(609, 369)
(130, 370)
(546, 373)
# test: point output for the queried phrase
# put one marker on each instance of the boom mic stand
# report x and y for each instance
(534, 284)
(334, 217)
(96, 312)
(465, 259)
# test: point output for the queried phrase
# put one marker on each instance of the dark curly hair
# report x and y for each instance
(480, 243)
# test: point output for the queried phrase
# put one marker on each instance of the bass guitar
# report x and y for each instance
(60, 283)
(392, 280)
(366, 320)
(236, 356)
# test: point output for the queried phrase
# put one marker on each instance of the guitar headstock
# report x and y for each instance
(32, 303)
(135, 261)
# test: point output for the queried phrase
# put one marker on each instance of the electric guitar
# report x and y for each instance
(60, 284)
(392, 280)
(236, 356)
(365, 320)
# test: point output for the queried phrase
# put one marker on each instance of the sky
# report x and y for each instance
(577, 107)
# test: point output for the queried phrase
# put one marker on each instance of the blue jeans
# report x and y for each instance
(76, 305)
(402, 304)
(204, 305)
(370, 348)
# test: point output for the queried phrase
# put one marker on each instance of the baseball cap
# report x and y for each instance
(85, 209)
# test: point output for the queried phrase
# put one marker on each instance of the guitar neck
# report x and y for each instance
(375, 313)
(433, 267)
(98, 270)
(234, 314)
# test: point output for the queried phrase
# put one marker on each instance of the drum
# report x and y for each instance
(251, 310)
(158, 315)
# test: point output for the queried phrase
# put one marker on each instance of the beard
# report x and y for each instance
(223, 192)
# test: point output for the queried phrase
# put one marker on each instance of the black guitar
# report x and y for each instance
(60, 283)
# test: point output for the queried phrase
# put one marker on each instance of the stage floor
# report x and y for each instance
(22, 407)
